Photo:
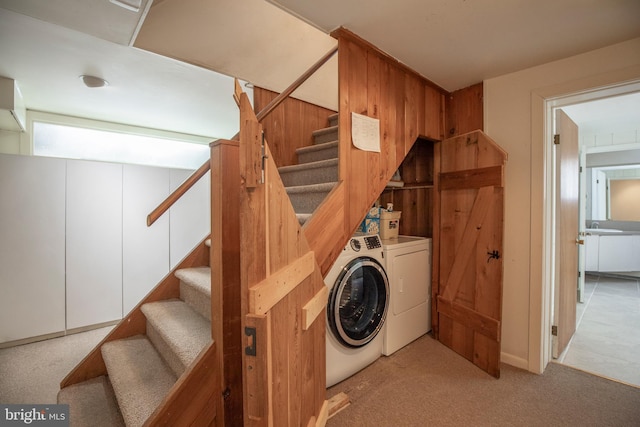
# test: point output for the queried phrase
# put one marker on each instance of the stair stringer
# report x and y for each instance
(134, 323)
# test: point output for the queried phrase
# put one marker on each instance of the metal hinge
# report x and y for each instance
(556, 139)
(554, 330)
(250, 350)
(264, 159)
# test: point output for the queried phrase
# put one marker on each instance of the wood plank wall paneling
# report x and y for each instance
(290, 125)
(464, 110)
(415, 203)
(408, 107)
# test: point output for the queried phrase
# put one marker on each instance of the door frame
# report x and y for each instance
(541, 290)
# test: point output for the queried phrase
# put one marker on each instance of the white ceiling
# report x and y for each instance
(46, 45)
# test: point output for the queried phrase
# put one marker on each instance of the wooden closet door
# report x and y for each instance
(468, 281)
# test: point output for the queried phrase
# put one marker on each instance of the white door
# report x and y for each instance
(566, 255)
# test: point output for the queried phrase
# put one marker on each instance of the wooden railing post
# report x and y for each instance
(225, 279)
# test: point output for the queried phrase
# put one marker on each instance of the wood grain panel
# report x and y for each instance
(295, 370)
(469, 255)
(464, 110)
(407, 107)
(290, 125)
(226, 327)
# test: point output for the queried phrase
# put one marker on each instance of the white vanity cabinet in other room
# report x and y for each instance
(592, 243)
(619, 253)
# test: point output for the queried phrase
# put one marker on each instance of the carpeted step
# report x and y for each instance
(333, 119)
(139, 376)
(309, 173)
(316, 152)
(92, 403)
(177, 331)
(328, 134)
(306, 198)
(195, 289)
(302, 218)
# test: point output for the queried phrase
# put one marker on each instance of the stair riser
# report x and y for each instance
(315, 156)
(165, 350)
(333, 120)
(323, 137)
(307, 202)
(310, 176)
(199, 301)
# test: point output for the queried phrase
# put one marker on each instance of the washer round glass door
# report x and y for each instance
(358, 302)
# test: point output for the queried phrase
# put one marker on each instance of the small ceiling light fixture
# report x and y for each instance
(132, 5)
(93, 81)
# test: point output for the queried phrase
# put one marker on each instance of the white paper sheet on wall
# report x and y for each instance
(365, 132)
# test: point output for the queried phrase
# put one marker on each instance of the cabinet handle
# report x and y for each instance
(579, 241)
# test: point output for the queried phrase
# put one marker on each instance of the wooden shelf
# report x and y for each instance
(409, 187)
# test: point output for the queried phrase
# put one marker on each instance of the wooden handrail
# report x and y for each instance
(295, 85)
(177, 193)
(202, 170)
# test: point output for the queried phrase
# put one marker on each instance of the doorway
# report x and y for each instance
(606, 302)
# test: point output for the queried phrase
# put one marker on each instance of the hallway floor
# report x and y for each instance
(607, 338)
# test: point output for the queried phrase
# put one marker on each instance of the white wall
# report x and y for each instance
(514, 118)
(75, 250)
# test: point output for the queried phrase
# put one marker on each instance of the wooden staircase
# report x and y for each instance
(137, 373)
(263, 361)
(309, 182)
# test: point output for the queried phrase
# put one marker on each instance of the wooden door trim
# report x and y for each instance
(479, 322)
(278, 285)
(472, 178)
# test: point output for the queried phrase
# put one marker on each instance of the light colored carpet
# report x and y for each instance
(426, 384)
(31, 373)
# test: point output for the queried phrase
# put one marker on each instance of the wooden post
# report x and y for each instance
(225, 278)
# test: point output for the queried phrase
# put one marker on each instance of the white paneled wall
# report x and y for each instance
(75, 249)
(190, 216)
(94, 243)
(32, 243)
(145, 258)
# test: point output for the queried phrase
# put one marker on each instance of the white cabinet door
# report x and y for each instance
(31, 246)
(189, 216)
(617, 253)
(145, 249)
(591, 255)
(94, 243)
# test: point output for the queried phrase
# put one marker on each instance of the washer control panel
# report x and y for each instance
(372, 242)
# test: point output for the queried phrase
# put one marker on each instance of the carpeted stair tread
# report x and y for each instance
(92, 403)
(306, 198)
(313, 153)
(302, 218)
(333, 119)
(183, 332)
(327, 134)
(198, 277)
(306, 166)
(195, 289)
(309, 173)
(139, 376)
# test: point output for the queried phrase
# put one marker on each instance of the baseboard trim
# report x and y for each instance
(515, 361)
(31, 340)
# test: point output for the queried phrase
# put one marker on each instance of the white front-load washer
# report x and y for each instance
(357, 308)
(407, 261)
